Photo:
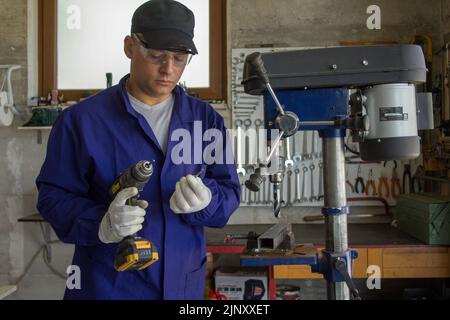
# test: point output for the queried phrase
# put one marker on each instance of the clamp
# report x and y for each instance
(371, 184)
(359, 182)
(338, 268)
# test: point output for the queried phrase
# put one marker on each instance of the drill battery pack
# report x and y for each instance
(135, 253)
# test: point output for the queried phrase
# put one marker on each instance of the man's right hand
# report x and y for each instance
(122, 220)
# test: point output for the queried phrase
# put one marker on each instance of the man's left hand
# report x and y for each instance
(190, 195)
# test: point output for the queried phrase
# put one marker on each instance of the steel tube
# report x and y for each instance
(335, 197)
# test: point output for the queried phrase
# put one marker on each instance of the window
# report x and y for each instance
(82, 40)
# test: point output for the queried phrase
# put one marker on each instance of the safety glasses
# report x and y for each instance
(180, 58)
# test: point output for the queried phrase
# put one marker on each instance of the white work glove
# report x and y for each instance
(190, 195)
(122, 220)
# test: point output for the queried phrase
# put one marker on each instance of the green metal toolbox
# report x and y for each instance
(425, 216)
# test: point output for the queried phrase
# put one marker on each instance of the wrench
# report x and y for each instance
(305, 154)
(321, 194)
(288, 162)
(243, 194)
(259, 149)
(297, 153)
(289, 186)
(242, 97)
(320, 154)
(240, 168)
(313, 197)
(314, 150)
(297, 186)
(248, 152)
(244, 108)
(304, 198)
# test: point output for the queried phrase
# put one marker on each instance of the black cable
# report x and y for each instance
(351, 150)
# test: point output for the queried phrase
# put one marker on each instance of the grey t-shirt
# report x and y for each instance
(157, 116)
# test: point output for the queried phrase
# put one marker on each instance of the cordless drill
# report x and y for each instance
(134, 253)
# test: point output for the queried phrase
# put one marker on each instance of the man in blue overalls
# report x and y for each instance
(93, 142)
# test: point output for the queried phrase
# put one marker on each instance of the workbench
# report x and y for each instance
(398, 255)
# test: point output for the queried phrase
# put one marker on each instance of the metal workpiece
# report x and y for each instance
(274, 237)
(335, 197)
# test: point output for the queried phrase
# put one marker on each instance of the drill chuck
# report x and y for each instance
(142, 171)
(137, 176)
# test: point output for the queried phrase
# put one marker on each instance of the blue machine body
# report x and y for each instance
(309, 105)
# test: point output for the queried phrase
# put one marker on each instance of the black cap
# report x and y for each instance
(165, 24)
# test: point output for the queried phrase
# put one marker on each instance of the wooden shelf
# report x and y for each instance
(38, 130)
(34, 128)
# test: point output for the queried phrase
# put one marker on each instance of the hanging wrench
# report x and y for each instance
(248, 143)
(313, 197)
(321, 194)
(289, 187)
(259, 149)
(304, 198)
(243, 194)
(314, 151)
(305, 154)
(297, 147)
(288, 162)
(240, 168)
(297, 186)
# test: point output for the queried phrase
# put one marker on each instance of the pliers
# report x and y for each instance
(395, 183)
(352, 188)
(407, 174)
(418, 179)
(383, 185)
(371, 184)
(359, 182)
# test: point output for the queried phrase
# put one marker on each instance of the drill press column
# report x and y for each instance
(335, 197)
